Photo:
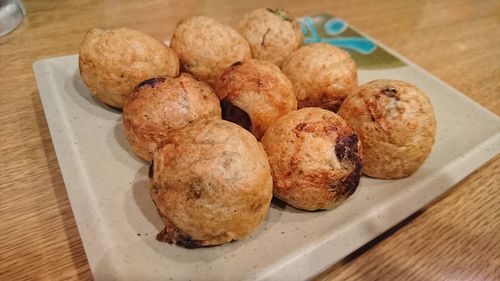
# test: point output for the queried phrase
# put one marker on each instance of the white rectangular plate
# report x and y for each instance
(118, 222)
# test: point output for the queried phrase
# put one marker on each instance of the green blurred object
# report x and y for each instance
(326, 28)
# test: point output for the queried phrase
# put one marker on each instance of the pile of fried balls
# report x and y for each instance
(228, 117)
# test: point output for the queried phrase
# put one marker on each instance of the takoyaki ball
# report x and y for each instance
(273, 34)
(254, 94)
(206, 47)
(211, 183)
(322, 75)
(113, 61)
(315, 158)
(163, 104)
(396, 125)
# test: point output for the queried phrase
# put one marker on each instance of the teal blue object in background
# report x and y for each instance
(326, 28)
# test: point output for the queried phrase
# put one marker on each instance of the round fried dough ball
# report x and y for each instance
(206, 47)
(273, 34)
(396, 125)
(315, 158)
(254, 94)
(211, 183)
(322, 75)
(163, 104)
(113, 61)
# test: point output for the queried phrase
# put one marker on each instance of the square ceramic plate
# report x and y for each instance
(118, 222)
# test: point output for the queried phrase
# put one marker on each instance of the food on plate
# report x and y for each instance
(273, 34)
(206, 47)
(211, 184)
(209, 177)
(315, 158)
(162, 104)
(113, 61)
(322, 75)
(254, 94)
(396, 125)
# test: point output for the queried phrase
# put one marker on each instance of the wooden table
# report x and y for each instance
(458, 237)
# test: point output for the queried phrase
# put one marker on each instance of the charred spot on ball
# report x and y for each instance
(346, 150)
(351, 182)
(390, 92)
(165, 236)
(195, 191)
(187, 242)
(151, 82)
(232, 113)
(347, 147)
(300, 126)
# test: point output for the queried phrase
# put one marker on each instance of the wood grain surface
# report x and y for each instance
(456, 238)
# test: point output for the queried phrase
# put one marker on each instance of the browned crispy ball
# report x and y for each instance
(206, 47)
(396, 125)
(323, 75)
(315, 158)
(254, 94)
(273, 34)
(211, 183)
(113, 61)
(160, 105)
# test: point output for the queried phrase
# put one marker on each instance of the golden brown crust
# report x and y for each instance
(206, 47)
(160, 105)
(113, 61)
(258, 88)
(322, 75)
(211, 183)
(273, 34)
(396, 124)
(315, 158)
